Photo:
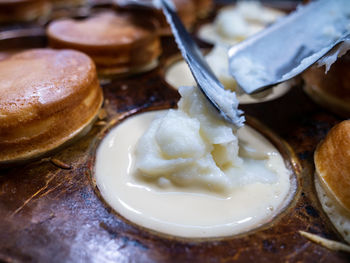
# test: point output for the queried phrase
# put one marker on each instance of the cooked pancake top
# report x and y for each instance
(38, 82)
(10, 2)
(103, 29)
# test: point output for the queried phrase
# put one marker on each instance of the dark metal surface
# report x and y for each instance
(50, 214)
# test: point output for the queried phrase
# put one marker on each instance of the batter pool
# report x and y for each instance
(205, 187)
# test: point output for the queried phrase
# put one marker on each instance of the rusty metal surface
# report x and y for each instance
(50, 210)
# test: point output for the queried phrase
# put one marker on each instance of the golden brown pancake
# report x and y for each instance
(67, 3)
(187, 13)
(186, 10)
(331, 90)
(203, 7)
(332, 161)
(23, 10)
(118, 43)
(46, 98)
(332, 164)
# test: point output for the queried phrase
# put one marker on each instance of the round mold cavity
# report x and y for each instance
(289, 158)
(178, 74)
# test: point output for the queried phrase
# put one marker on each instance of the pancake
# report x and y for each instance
(203, 7)
(23, 10)
(331, 90)
(186, 10)
(67, 3)
(332, 164)
(117, 42)
(47, 98)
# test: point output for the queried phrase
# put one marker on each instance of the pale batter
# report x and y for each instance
(260, 190)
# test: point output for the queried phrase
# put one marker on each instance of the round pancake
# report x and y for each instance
(332, 163)
(116, 42)
(332, 180)
(203, 7)
(23, 10)
(187, 11)
(331, 90)
(46, 98)
(67, 3)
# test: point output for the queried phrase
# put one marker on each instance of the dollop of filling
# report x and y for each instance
(193, 147)
(218, 61)
(244, 19)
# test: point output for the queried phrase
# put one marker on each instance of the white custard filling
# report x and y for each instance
(191, 146)
(236, 23)
(178, 75)
(189, 212)
(180, 175)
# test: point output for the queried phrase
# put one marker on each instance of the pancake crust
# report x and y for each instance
(332, 163)
(331, 90)
(203, 7)
(187, 11)
(337, 214)
(23, 10)
(47, 97)
(117, 42)
(67, 3)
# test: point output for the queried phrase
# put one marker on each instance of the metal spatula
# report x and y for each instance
(224, 101)
(291, 45)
